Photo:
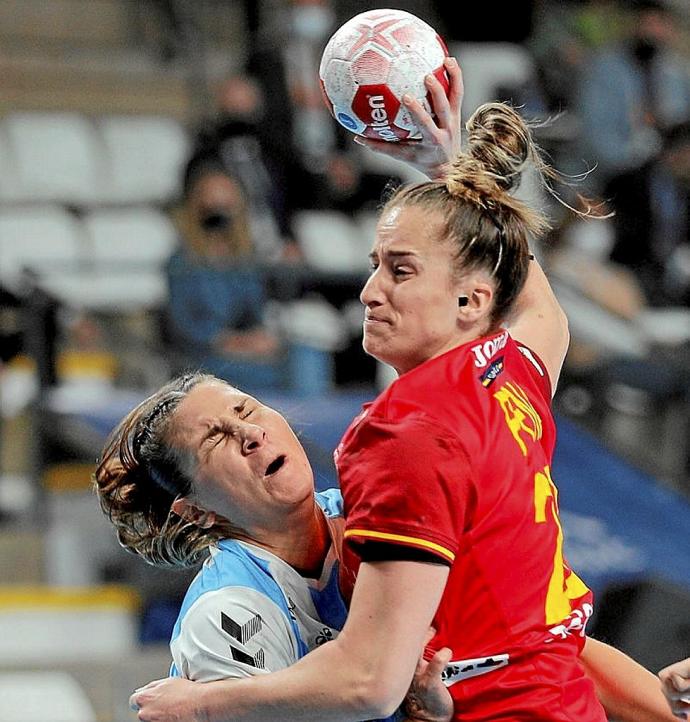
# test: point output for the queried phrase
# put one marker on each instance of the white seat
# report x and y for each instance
(57, 157)
(38, 696)
(44, 624)
(145, 156)
(8, 172)
(138, 238)
(486, 67)
(46, 239)
(128, 248)
(330, 241)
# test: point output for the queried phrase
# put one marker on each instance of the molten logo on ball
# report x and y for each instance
(371, 62)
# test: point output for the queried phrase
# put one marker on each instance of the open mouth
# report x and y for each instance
(275, 465)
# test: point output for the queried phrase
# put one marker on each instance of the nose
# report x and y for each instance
(372, 293)
(252, 438)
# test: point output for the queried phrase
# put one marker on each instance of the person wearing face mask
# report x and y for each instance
(630, 92)
(237, 137)
(216, 291)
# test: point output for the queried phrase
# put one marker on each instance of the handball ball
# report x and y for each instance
(371, 62)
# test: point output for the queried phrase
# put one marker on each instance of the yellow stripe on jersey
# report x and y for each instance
(385, 536)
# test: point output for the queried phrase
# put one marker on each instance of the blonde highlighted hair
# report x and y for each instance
(489, 227)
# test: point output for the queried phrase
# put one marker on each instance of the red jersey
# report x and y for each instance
(454, 459)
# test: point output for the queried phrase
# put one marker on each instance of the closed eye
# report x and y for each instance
(401, 271)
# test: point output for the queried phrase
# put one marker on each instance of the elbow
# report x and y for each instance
(377, 697)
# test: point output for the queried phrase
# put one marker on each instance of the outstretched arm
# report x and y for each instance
(627, 691)
(364, 673)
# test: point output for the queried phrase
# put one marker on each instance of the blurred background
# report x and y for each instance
(174, 194)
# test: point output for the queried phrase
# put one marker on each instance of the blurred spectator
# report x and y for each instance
(217, 296)
(565, 36)
(238, 137)
(652, 220)
(10, 325)
(315, 157)
(633, 90)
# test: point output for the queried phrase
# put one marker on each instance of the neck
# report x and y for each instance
(302, 541)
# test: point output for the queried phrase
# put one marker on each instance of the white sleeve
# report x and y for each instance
(233, 632)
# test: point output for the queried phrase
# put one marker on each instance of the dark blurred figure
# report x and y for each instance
(632, 91)
(10, 325)
(316, 157)
(566, 34)
(217, 295)
(240, 136)
(652, 220)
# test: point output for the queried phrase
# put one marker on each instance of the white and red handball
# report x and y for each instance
(371, 62)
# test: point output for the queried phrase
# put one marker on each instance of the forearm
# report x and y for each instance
(325, 686)
(628, 692)
(364, 673)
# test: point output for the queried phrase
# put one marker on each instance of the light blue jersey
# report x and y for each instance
(248, 612)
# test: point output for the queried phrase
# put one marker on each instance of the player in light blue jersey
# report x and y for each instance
(200, 466)
(249, 612)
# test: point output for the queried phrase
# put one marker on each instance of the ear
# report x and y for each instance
(183, 507)
(477, 308)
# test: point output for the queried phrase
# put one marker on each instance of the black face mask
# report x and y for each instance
(216, 220)
(232, 125)
(644, 50)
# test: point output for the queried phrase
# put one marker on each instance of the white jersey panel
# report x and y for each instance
(233, 632)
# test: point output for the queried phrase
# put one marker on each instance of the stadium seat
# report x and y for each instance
(37, 696)
(138, 238)
(57, 157)
(47, 240)
(127, 250)
(145, 156)
(8, 183)
(44, 624)
(330, 241)
(488, 68)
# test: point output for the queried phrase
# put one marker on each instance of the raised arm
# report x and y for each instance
(627, 691)
(539, 322)
(364, 673)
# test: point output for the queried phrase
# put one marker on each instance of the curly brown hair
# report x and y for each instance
(143, 469)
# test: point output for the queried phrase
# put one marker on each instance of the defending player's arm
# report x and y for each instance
(627, 691)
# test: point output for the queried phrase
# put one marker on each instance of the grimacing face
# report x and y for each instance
(411, 296)
(250, 466)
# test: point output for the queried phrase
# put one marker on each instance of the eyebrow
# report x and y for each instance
(394, 254)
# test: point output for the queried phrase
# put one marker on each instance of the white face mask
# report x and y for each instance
(312, 22)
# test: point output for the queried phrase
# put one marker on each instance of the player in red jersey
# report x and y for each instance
(453, 515)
